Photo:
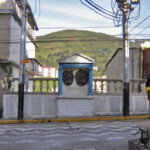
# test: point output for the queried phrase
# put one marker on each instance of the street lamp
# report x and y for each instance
(134, 1)
(131, 1)
(120, 1)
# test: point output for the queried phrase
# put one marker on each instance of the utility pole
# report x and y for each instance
(126, 60)
(125, 7)
(21, 70)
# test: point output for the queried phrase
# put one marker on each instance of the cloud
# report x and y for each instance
(81, 12)
(72, 13)
(45, 22)
(69, 15)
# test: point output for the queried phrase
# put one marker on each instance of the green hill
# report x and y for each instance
(96, 45)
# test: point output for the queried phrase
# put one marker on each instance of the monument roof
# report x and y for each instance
(76, 58)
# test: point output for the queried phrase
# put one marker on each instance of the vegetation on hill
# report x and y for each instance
(95, 45)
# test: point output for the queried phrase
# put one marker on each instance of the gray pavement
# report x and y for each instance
(98, 135)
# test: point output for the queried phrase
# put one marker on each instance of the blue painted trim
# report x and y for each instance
(91, 82)
(88, 66)
(60, 82)
(76, 66)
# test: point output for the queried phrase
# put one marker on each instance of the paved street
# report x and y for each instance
(99, 135)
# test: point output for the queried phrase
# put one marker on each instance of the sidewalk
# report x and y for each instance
(73, 119)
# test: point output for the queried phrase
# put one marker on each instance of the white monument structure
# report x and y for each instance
(75, 85)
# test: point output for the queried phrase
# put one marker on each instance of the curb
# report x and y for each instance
(72, 119)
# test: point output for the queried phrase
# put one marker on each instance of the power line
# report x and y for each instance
(65, 39)
(39, 10)
(117, 19)
(35, 7)
(63, 27)
(139, 23)
(108, 16)
(98, 6)
(138, 13)
(141, 31)
(117, 11)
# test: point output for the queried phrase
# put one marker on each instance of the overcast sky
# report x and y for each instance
(73, 14)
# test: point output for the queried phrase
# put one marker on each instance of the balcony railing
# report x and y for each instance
(46, 85)
(50, 85)
(116, 86)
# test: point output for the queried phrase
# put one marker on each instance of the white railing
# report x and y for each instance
(116, 86)
(46, 85)
(50, 85)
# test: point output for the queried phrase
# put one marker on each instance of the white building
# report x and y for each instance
(145, 45)
(49, 72)
(10, 35)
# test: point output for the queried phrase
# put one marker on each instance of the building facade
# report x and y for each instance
(114, 68)
(10, 33)
(49, 71)
(10, 36)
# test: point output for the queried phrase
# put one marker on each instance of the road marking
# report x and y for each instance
(115, 138)
(73, 119)
(86, 149)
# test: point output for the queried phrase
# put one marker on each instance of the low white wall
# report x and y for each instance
(113, 105)
(139, 104)
(108, 105)
(75, 106)
(47, 106)
(35, 106)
